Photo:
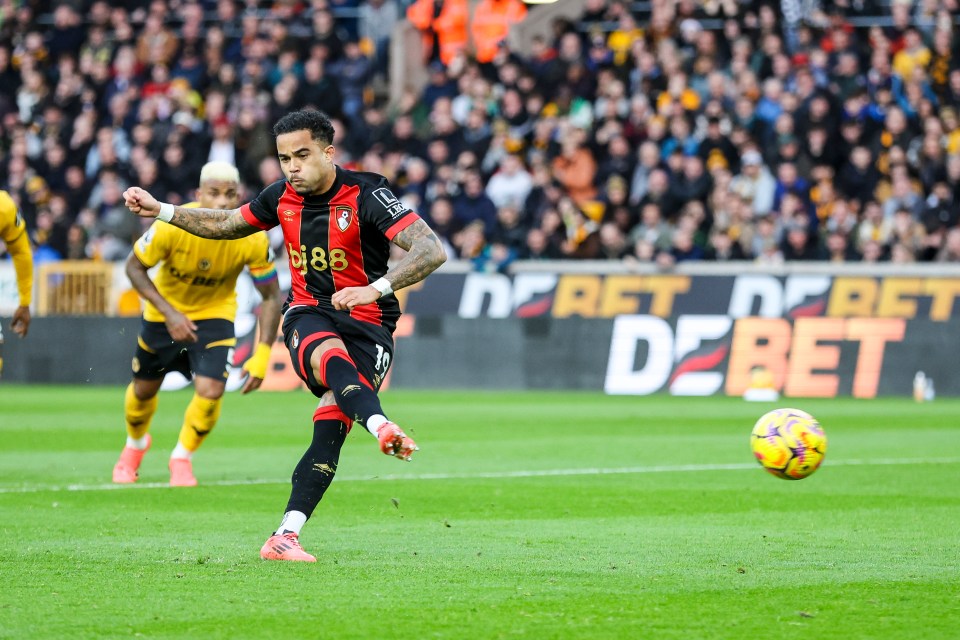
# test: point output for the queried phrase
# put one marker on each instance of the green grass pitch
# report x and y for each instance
(525, 515)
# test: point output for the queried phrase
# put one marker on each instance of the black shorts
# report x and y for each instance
(369, 345)
(158, 354)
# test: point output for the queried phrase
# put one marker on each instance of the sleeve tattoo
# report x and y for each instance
(425, 254)
(212, 223)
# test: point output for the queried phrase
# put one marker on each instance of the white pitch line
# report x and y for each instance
(483, 475)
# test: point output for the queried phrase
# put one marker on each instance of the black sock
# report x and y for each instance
(315, 471)
(355, 399)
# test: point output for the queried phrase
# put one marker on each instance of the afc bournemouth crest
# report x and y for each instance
(344, 215)
(296, 339)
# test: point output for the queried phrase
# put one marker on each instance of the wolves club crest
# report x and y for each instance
(344, 215)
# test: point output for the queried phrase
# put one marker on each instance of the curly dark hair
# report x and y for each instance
(316, 122)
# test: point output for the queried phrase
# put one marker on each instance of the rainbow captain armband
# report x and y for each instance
(256, 365)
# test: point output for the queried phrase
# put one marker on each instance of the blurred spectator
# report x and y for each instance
(509, 230)
(443, 221)
(540, 247)
(352, 71)
(951, 247)
(859, 177)
(473, 205)
(156, 44)
(376, 22)
(903, 194)
(649, 159)
(754, 183)
(511, 184)
(326, 39)
(490, 24)
(443, 25)
(575, 168)
(722, 247)
(439, 85)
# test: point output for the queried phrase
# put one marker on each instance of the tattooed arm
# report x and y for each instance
(206, 223)
(424, 255)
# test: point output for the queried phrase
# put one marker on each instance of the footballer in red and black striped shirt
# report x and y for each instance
(340, 315)
(336, 239)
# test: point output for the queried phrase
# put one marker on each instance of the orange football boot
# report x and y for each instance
(394, 442)
(181, 473)
(285, 546)
(126, 471)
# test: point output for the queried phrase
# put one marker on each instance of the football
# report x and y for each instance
(789, 443)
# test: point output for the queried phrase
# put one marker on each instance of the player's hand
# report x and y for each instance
(256, 368)
(21, 321)
(141, 202)
(350, 297)
(181, 328)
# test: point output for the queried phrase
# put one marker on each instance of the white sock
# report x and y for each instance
(374, 422)
(292, 521)
(138, 443)
(181, 451)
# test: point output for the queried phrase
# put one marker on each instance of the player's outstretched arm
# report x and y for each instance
(221, 224)
(424, 254)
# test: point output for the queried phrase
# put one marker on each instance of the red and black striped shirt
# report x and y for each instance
(337, 239)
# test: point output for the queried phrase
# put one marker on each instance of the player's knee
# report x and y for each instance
(209, 389)
(144, 391)
(328, 399)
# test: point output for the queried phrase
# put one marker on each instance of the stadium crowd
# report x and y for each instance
(662, 131)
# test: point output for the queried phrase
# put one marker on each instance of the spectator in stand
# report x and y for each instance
(491, 23)
(511, 184)
(575, 168)
(352, 71)
(474, 205)
(443, 221)
(618, 159)
(326, 36)
(649, 160)
(376, 22)
(157, 44)
(443, 27)
(941, 211)
(837, 248)
(722, 247)
(539, 247)
(439, 85)
(658, 192)
(652, 228)
(859, 177)
(951, 247)
(903, 194)
(754, 183)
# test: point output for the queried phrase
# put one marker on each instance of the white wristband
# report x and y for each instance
(166, 212)
(383, 286)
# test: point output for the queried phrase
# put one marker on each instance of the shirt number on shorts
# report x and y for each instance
(383, 360)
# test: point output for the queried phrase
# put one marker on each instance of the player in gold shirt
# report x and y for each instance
(13, 232)
(187, 326)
